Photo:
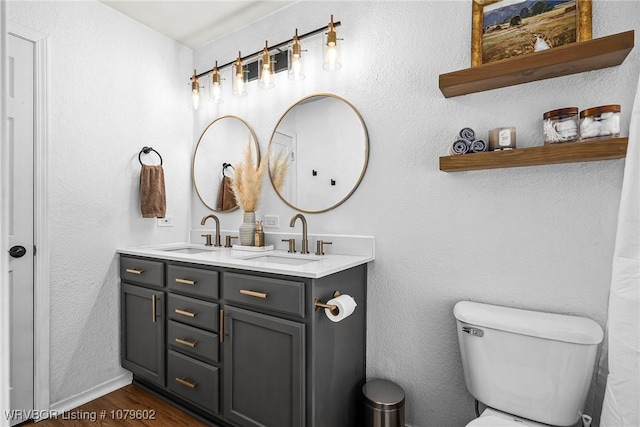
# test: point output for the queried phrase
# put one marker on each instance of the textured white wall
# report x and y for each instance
(114, 87)
(536, 237)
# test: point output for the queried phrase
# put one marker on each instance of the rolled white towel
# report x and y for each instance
(478, 146)
(459, 146)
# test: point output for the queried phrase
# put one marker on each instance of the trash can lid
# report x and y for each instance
(383, 394)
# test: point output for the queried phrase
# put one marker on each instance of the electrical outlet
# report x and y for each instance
(272, 221)
(167, 221)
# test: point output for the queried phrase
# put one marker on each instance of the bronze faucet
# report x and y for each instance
(215, 218)
(305, 242)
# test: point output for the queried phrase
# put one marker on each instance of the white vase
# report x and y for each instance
(248, 229)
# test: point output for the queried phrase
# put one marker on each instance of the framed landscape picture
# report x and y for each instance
(504, 29)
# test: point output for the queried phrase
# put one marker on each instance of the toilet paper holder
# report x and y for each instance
(332, 308)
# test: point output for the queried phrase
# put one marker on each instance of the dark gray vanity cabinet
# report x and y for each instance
(244, 348)
(143, 319)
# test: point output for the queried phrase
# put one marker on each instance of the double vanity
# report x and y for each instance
(250, 338)
(238, 337)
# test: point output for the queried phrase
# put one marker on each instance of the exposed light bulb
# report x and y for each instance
(238, 77)
(266, 69)
(331, 62)
(215, 87)
(295, 59)
(194, 96)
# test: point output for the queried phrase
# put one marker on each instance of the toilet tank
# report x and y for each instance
(527, 363)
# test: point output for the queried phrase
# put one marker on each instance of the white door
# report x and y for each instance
(285, 146)
(20, 112)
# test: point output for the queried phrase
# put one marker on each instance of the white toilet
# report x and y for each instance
(528, 367)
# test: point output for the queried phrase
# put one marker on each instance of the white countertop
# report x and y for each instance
(274, 261)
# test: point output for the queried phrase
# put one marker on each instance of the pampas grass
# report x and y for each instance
(278, 167)
(247, 181)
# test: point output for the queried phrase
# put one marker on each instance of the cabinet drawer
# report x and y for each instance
(193, 312)
(193, 281)
(194, 381)
(272, 294)
(193, 341)
(142, 271)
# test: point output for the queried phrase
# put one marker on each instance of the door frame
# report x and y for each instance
(41, 341)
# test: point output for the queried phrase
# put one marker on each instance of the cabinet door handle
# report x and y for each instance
(262, 295)
(134, 271)
(221, 332)
(186, 281)
(153, 307)
(191, 344)
(186, 383)
(185, 312)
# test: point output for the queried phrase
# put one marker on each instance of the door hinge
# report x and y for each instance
(34, 250)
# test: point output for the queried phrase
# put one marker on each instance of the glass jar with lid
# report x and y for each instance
(560, 125)
(600, 122)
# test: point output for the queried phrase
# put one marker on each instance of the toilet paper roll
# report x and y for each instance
(346, 306)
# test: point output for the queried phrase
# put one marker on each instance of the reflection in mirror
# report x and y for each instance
(222, 144)
(318, 153)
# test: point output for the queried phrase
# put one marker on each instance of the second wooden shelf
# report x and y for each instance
(584, 151)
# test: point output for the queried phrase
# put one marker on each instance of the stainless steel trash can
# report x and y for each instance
(384, 404)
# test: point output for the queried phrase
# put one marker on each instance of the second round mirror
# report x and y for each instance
(318, 153)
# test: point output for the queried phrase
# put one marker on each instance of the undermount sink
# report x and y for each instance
(277, 259)
(191, 250)
(185, 250)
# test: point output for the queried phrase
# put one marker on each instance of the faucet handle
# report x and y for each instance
(320, 246)
(208, 239)
(292, 245)
(227, 240)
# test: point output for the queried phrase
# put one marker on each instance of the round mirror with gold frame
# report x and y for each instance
(222, 144)
(318, 153)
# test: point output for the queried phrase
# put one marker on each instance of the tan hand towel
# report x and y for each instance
(153, 202)
(226, 198)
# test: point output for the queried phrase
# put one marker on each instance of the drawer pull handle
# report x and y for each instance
(185, 382)
(134, 271)
(187, 343)
(185, 313)
(262, 295)
(186, 281)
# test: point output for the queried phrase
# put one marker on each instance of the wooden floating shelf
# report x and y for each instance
(584, 151)
(559, 61)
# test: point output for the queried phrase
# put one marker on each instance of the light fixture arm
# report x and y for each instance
(274, 47)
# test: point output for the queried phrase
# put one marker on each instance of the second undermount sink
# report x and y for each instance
(280, 259)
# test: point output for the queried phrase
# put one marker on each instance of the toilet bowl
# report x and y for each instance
(492, 418)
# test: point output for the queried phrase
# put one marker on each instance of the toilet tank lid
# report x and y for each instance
(558, 327)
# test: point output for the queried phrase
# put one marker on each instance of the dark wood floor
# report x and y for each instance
(128, 406)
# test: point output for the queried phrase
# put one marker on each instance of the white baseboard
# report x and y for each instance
(92, 394)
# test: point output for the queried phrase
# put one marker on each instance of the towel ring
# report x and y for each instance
(225, 166)
(147, 150)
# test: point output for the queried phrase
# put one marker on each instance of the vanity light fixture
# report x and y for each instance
(331, 62)
(295, 59)
(215, 87)
(194, 96)
(265, 63)
(267, 69)
(239, 77)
